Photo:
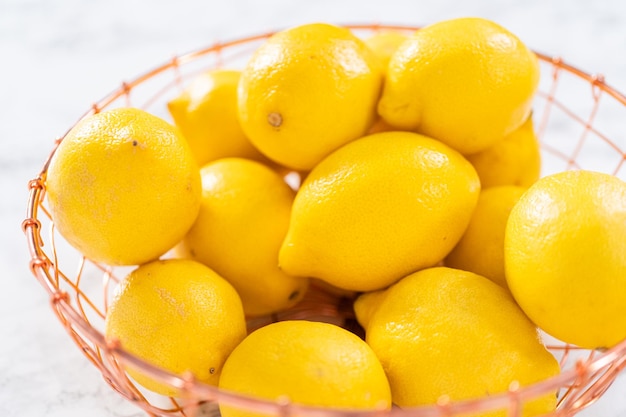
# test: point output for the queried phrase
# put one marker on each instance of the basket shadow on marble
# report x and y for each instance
(577, 116)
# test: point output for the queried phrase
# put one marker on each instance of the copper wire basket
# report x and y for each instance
(578, 119)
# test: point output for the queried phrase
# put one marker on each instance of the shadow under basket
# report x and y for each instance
(579, 121)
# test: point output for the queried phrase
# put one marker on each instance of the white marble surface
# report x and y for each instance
(59, 56)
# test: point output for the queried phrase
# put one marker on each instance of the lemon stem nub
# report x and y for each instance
(275, 119)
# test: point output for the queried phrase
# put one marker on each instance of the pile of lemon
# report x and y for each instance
(419, 197)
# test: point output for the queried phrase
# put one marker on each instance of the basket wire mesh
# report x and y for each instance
(578, 120)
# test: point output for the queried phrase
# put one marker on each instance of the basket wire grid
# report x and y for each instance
(577, 118)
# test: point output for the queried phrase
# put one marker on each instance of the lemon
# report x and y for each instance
(306, 91)
(481, 249)
(206, 114)
(178, 315)
(308, 363)
(565, 257)
(514, 160)
(466, 81)
(123, 187)
(384, 44)
(242, 222)
(380, 126)
(446, 332)
(377, 209)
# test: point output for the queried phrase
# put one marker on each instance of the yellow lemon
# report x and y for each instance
(467, 82)
(446, 332)
(481, 249)
(308, 363)
(380, 126)
(206, 114)
(514, 160)
(178, 315)
(565, 257)
(307, 91)
(384, 44)
(377, 209)
(242, 222)
(123, 187)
